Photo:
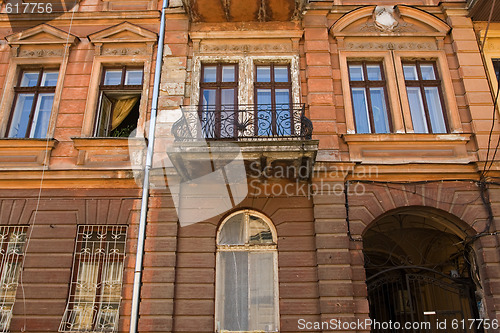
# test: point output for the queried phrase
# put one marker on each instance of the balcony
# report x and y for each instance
(243, 123)
(267, 137)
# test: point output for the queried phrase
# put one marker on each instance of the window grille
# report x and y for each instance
(12, 247)
(97, 275)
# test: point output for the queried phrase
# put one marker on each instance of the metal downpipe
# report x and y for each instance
(136, 294)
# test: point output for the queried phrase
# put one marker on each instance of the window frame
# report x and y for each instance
(268, 248)
(22, 229)
(422, 84)
(366, 84)
(120, 88)
(273, 85)
(218, 86)
(396, 88)
(101, 262)
(36, 91)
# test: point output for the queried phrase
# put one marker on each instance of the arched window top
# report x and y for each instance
(246, 228)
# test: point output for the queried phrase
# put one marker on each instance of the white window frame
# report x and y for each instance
(7, 233)
(396, 88)
(272, 248)
(68, 323)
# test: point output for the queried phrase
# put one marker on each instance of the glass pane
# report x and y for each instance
(435, 110)
(20, 118)
(410, 72)
(49, 79)
(113, 77)
(208, 96)
(263, 73)
(208, 113)
(259, 231)
(104, 117)
(417, 110)
(356, 73)
(232, 291)
(210, 74)
(283, 117)
(133, 77)
(280, 73)
(264, 112)
(360, 110)
(228, 73)
(42, 116)
(29, 79)
(227, 113)
(373, 72)
(427, 72)
(379, 109)
(233, 231)
(261, 282)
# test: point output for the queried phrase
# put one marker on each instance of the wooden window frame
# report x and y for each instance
(36, 90)
(219, 85)
(367, 84)
(422, 84)
(273, 85)
(267, 248)
(122, 87)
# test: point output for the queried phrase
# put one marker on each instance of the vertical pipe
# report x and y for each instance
(136, 294)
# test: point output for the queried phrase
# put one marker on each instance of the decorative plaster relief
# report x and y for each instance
(41, 53)
(216, 48)
(390, 46)
(123, 51)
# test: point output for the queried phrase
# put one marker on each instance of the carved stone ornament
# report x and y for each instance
(209, 48)
(123, 51)
(391, 46)
(40, 53)
(387, 19)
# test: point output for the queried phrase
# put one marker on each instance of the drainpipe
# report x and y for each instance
(136, 294)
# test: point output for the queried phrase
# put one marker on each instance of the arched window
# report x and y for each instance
(247, 274)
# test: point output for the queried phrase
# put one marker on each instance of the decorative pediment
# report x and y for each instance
(389, 21)
(40, 35)
(123, 33)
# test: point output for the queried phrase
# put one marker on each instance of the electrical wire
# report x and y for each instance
(42, 177)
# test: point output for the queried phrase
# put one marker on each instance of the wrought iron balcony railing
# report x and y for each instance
(243, 122)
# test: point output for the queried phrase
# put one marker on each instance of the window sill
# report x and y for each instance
(109, 153)
(408, 148)
(25, 153)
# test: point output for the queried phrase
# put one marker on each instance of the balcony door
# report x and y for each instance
(273, 97)
(218, 100)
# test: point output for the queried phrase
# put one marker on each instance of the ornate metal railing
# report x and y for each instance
(243, 122)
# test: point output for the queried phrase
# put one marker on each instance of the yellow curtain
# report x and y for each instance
(121, 109)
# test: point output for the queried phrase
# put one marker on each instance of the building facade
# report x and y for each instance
(316, 165)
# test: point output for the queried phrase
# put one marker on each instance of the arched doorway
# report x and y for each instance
(419, 270)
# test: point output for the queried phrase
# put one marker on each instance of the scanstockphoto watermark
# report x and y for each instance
(257, 170)
(361, 324)
(303, 189)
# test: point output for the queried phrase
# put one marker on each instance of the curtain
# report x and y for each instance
(122, 108)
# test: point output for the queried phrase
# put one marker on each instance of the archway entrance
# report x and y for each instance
(420, 273)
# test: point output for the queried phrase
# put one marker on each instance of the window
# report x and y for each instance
(247, 289)
(95, 290)
(369, 98)
(423, 88)
(120, 93)
(12, 245)
(273, 98)
(34, 95)
(219, 94)
(496, 67)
